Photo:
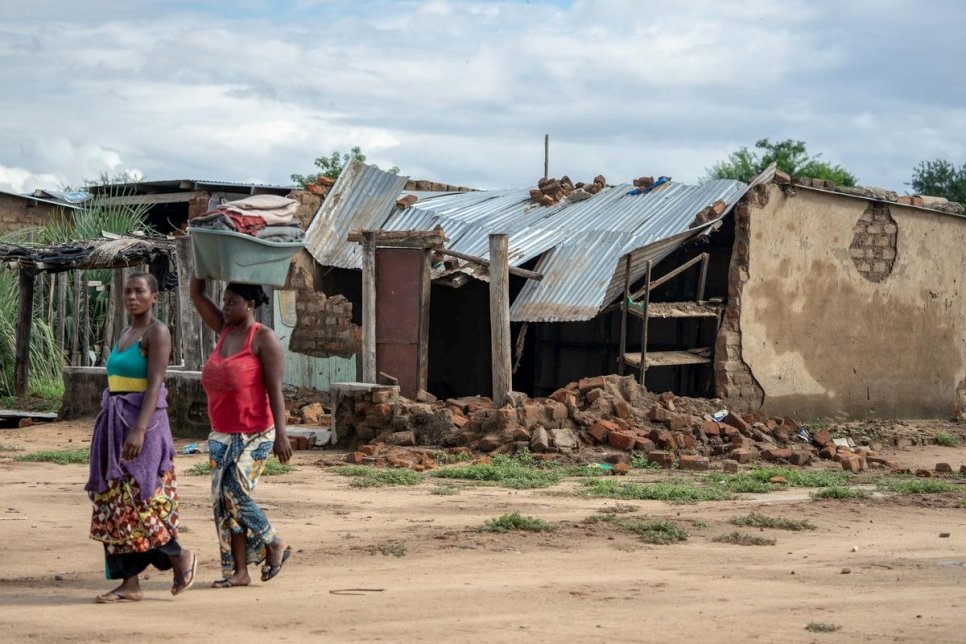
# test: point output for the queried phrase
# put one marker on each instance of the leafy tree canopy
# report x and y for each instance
(332, 165)
(790, 156)
(940, 178)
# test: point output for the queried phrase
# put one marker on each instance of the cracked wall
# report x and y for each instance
(822, 339)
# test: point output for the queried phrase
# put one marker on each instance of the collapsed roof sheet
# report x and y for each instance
(580, 244)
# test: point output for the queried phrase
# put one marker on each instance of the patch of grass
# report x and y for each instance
(961, 503)
(618, 508)
(394, 549)
(672, 491)
(819, 627)
(840, 492)
(947, 439)
(368, 476)
(758, 520)
(272, 468)
(740, 483)
(516, 521)
(802, 478)
(512, 472)
(916, 486)
(742, 539)
(601, 518)
(659, 531)
(59, 456)
(700, 525)
(639, 461)
(445, 490)
(445, 458)
(585, 471)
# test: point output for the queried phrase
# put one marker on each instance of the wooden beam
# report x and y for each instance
(500, 353)
(189, 322)
(521, 272)
(677, 271)
(703, 279)
(85, 323)
(75, 328)
(647, 301)
(369, 372)
(137, 200)
(627, 293)
(409, 238)
(61, 311)
(25, 306)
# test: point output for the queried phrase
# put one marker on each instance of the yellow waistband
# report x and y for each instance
(123, 383)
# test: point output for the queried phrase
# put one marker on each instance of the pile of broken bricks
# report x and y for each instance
(550, 191)
(605, 418)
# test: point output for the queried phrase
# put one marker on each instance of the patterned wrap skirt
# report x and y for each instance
(136, 533)
(237, 461)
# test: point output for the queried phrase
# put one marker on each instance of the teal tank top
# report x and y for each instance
(127, 371)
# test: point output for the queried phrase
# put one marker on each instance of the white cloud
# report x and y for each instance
(464, 91)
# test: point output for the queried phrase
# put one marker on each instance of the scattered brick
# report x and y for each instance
(693, 462)
(664, 459)
(730, 466)
(944, 468)
(621, 440)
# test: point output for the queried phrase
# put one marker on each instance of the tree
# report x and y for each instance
(940, 178)
(790, 156)
(331, 166)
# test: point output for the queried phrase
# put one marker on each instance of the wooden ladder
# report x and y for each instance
(639, 305)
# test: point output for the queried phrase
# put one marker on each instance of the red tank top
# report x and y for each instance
(237, 399)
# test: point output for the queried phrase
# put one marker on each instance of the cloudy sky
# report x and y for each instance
(463, 91)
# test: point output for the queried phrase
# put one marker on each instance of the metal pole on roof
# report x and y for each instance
(546, 156)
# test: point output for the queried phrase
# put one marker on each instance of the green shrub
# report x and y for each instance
(758, 520)
(368, 476)
(516, 521)
(742, 539)
(58, 456)
(672, 491)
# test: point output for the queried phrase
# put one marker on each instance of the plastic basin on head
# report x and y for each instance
(234, 257)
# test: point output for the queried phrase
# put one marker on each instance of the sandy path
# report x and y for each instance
(579, 583)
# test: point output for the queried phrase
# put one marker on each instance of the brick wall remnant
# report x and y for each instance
(732, 376)
(324, 326)
(873, 247)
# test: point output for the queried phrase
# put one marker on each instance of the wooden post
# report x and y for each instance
(75, 306)
(369, 372)
(62, 311)
(25, 316)
(546, 157)
(703, 279)
(624, 304)
(189, 322)
(647, 300)
(85, 323)
(118, 276)
(108, 324)
(500, 320)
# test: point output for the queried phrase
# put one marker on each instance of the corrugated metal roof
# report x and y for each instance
(649, 227)
(580, 245)
(52, 202)
(360, 200)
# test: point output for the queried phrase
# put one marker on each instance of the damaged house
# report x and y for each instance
(793, 296)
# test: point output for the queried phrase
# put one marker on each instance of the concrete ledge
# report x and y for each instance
(187, 404)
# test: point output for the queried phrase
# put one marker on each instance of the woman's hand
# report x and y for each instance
(134, 442)
(282, 449)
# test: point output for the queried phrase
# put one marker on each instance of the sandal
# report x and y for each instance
(269, 571)
(114, 598)
(183, 581)
(224, 582)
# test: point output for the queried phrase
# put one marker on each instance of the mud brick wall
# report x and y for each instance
(873, 247)
(324, 326)
(733, 379)
(17, 213)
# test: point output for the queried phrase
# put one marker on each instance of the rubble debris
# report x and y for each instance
(550, 191)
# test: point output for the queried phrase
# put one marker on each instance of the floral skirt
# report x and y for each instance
(125, 523)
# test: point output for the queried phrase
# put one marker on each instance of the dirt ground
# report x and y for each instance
(876, 568)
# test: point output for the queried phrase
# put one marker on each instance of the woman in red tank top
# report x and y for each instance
(243, 382)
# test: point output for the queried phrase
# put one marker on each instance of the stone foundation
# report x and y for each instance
(187, 404)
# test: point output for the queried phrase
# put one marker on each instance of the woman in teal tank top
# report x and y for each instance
(132, 481)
